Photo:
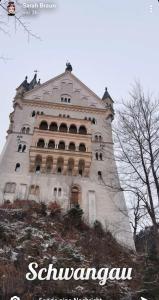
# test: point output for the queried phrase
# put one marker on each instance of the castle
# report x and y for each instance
(59, 148)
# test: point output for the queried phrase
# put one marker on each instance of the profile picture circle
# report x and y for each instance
(15, 298)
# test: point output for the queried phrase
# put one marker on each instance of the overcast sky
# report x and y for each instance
(109, 43)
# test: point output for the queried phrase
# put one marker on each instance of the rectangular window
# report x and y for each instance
(10, 187)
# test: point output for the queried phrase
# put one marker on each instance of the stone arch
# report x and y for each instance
(82, 130)
(60, 165)
(72, 146)
(53, 126)
(38, 163)
(82, 147)
(73, 128)
(61, 145)
(43, 125)
(63, 127)
(51, 144)
(41, 143)
(70, 166)
(81, 167)
(49, 164)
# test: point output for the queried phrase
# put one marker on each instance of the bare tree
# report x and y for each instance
(137, 137)
(18, 18)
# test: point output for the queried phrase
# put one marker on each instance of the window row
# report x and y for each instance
(99, 156)
(93, 120)
(35, 113)
(10, 187)
(98, 138)
(64, 116)
(21, 148)
(65, 99)
(25, 130)
(61, 146)
(62, 128)
(59, 165)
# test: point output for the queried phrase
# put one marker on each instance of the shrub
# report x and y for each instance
(55, 209)
(74, 216)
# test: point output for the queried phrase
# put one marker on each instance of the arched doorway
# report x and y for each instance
(75, 195)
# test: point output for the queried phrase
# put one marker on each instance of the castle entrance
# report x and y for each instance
(75, 196)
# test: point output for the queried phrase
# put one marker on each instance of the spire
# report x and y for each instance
(68, 67)
(106, 95)
(24, 84)
(33, 82)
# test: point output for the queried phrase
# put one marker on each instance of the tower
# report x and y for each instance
(59, 148)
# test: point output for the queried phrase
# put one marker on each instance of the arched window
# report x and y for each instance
(41, 143)
(101, 156)
(73, 129)
(81, 167)
(82, 148)
(55, 192)
(27, 130)
(49, 164)
(75, 196)
(53, 126)
(23, 130)
(99, 175)
(96, 155)
(61, 145)
(38, 162)
(34, 190)
(63, 128)
(65, 98)
(82, 130)
(70, 166)
(72, 147)
(43, 125)
(100, 138)
(51, 144)
(37, 190)
(93, 121)
(60, 163)
(20, 148)
(17, 167)
(96, 138)
(24, 148)
(59, 192)
(33, 113)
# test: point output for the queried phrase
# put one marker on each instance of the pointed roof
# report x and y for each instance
(24, 84)
(60, 76)
(106, 95)
(33, 82)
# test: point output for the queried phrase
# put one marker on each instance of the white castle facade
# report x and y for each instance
(59, 148)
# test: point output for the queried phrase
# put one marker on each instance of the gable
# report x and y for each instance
(67, 89)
